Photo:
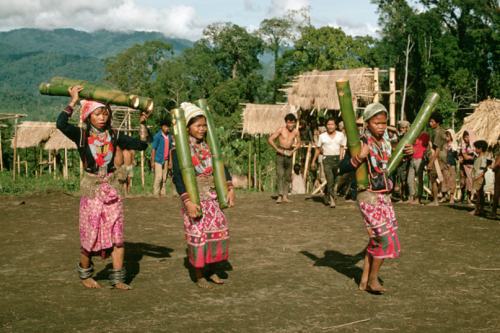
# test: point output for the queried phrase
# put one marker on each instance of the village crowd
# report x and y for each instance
(107, 156)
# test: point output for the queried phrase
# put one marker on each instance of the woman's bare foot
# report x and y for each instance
(452, 201)
(279, 200)
(122, 286)
(474, 212)
(362, 285)
(434, 203)
(375, 286)
(216, 279)
(164, 196)
(442, 200)
(91, 283)
(285, 199)
(203, 284)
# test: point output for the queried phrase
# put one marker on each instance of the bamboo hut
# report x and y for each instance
(484, 122)
(262, 119)
(59, 141)
(30, 134)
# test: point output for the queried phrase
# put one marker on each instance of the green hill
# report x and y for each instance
(29, 57)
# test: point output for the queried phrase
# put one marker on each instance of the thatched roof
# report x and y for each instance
(316, 90)
(32, 133)
(264, 118)
(484, 122)
(59, 141)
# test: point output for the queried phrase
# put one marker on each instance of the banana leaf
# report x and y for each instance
(217, 162)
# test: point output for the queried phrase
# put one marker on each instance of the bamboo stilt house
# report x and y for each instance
(59, 141)
(32, 133)
(260, 119)
(484, 122)
(316, 90)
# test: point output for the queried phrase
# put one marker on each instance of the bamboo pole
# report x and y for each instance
(219, 173)
(351, 129)
(145, 103)
(260, 168)
(40, 159)
(50, 162)
(254, 168)
(306, 166)
(92, 94)
(65, 158)
(376, 87)
(392, 99)
(55, 163)
(15, 150)
(316, 191)
(142, 167)
(72, 165)
(414, 132)
(19, 165)
(26, 160)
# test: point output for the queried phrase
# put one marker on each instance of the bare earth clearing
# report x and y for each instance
(292, 268)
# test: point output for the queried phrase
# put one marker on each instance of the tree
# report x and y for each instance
(134, 70)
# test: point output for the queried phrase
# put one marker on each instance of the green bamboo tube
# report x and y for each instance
(184, 156)
(351, 129)
(217, 162)
(93, 93)
(145, 103)
(413, 133)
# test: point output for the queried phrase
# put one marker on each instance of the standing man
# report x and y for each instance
(284, 153)
(160, 157)
(332, 143)
(438, 158)
(417, 169)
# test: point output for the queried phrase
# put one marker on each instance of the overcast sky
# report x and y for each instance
(356, 17)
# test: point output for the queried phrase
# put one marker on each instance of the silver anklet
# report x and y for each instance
(85, 273)
(117, 276)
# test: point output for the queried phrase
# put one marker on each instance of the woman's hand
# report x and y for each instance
(230, 197)
(74, 92)
(193, 209)
(143, 118)
(365, 150)
(409, 150)
(313, 166)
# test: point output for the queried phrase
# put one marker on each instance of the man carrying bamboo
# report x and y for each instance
(284, 153)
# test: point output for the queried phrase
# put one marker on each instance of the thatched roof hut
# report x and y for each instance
(316, 90)
(264, 118)
(484, 122)
(59, 141)
(32, 133)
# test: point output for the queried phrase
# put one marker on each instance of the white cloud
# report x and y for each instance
(251, 6)
(354, 28)
(115, 15)
(280, 7)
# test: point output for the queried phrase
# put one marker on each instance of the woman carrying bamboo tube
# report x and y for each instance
(375, 203)
(101, 208)
(207, 234)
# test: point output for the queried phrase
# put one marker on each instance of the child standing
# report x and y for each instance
(450, 172)
(297, 181)
(477, 175)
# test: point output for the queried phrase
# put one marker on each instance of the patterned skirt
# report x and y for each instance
(466, 176)
(207, 236)
(101, 222)
(380, 221)
(450, 179)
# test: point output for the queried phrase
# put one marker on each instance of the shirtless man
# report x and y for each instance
(284, 153)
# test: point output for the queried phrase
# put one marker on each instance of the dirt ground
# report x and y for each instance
(292, 268)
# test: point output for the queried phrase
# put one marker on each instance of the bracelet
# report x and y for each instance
(143, 131)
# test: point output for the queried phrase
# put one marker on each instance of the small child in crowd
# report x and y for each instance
(478, 175)
(297, 181)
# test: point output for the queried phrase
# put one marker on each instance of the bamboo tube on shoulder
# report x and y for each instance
(413, 133)
(118, 98)
(184, 156)
(145, 103)
(217, 162)
(351, 129)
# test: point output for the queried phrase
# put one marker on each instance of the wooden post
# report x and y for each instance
(72, 166)
(15, 150)
(249, 162)
(254, 169)
(376, 87)
(1, 155)
(142, 167)
(26, 163)
(272, 187)
(50, 161)
(40, 159)
(19, 165)
(392, 99)
(306, 166)
(65, 158)
(55, 163)
(34, 158)
(260, 168)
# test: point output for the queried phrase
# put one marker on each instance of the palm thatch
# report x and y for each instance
(484, 122)
(59, 141)
(32, 133)
(316, 90)
(264, 118)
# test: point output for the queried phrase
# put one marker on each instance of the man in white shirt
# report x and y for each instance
(332, 144)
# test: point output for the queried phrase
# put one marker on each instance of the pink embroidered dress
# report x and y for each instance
(101, 208)
(375, 204)
(207, 236)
